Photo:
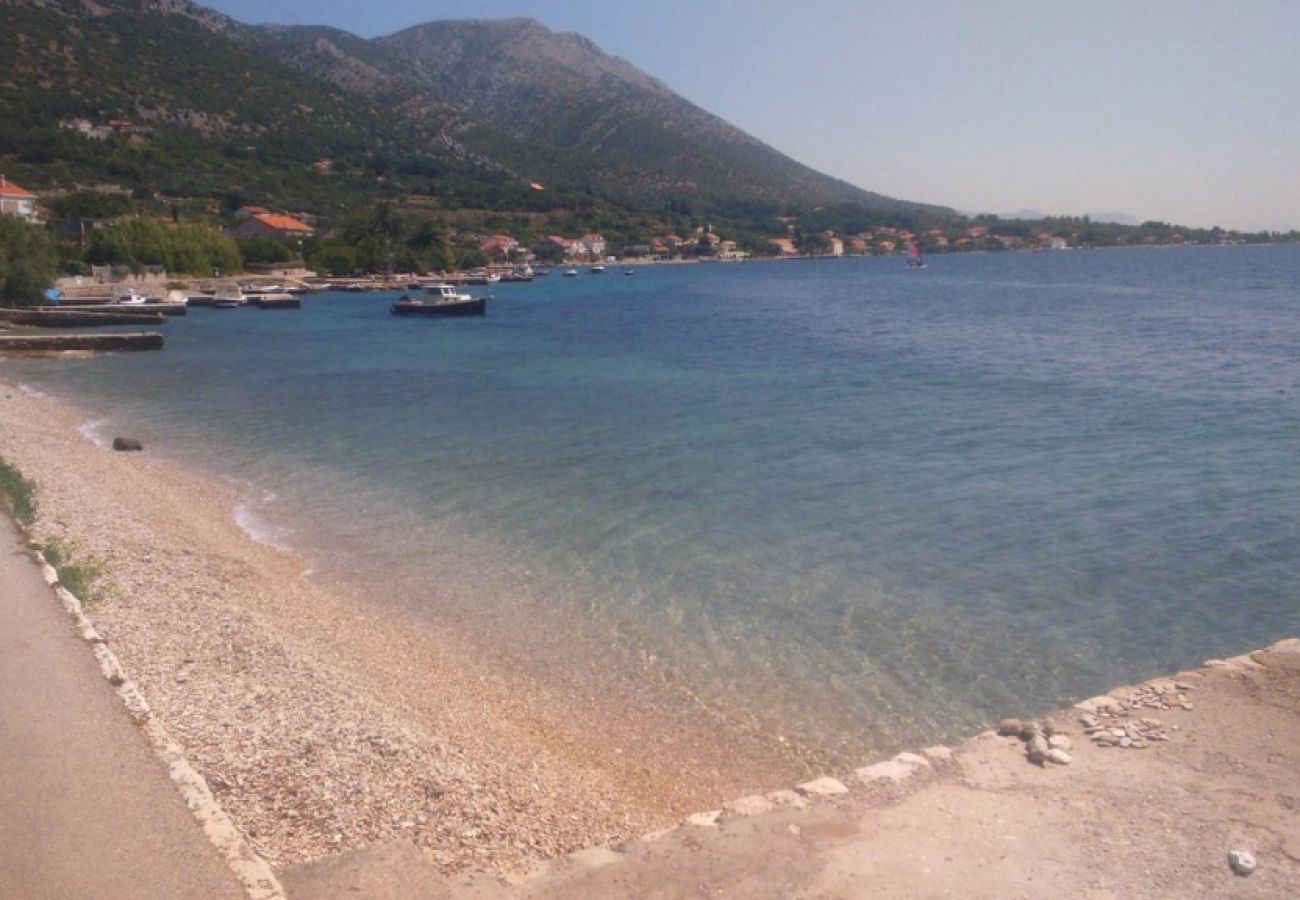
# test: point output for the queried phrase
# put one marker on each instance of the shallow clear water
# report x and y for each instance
(859, 506)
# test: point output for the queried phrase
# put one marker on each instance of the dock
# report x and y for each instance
(132, 309)
(49, 343)
(63, 317)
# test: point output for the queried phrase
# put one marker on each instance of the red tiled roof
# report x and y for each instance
(281, 223)
(9, 189)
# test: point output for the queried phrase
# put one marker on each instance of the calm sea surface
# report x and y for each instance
(859, 506)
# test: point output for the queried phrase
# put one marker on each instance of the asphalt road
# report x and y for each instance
(87, 812)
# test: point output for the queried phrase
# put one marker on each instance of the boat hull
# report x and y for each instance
(464, 308)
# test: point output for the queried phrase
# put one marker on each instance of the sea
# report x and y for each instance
(851, 505)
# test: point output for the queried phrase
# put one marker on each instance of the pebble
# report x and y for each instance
(1011, 728)
(1059, 756)
(1060, 742)
(1243, 862)
(1037, 749)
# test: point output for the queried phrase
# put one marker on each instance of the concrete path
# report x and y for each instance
(87, 812)
(977, 823)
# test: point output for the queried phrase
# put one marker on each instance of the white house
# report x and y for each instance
(14, 201)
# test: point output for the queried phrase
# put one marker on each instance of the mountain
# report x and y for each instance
(465, 113)
(573, 113)
(210, 112)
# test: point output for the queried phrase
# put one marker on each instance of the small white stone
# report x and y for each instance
(1242, 862)
(822, 787)
(1060, 757)
(1060, 742)
(912, 759)
(705, 819)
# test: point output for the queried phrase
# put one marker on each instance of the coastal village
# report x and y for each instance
(300, 233)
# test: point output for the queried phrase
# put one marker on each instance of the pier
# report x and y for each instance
(50, 343)
(63, 317)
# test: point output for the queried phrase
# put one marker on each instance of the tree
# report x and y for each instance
(336, 259)
(472, 258)
(431, 244)
(813, 242)
(144, 241)
(28, 262)
(264, 250)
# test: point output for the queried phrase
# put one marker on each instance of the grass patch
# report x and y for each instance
(81, 574)
(18, 493)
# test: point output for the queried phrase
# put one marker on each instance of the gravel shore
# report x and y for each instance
(321, 724)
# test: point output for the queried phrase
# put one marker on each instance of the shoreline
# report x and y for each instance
(330, 728)
(326, 722)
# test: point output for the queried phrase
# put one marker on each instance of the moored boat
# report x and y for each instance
(570, 273)
(440, 300)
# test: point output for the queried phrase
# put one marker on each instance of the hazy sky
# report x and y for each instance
(1183, 111)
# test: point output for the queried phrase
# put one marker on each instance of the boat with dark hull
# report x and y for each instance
(440, 300)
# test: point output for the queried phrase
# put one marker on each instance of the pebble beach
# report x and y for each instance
(320, 724)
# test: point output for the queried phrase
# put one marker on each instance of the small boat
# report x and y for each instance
(176, 298)
(570, 273)
(481, 277)
(128, 297)
(597, 269)
(440, 300)
(914, 258)
(629, 271)
(227, 298)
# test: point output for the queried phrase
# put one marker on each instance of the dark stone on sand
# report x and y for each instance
(127, 445)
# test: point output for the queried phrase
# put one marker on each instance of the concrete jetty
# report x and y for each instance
(42, 343)
(86, 317)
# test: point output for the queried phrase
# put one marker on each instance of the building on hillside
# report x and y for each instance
(247, 212)
(16, 201)
(594, 244)
(554, 245)
(857, 245)
(499, 245)
(272, 225)
(784, 246)
(834, 245)
(728, 250)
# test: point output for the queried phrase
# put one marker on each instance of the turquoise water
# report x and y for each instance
(853, 505)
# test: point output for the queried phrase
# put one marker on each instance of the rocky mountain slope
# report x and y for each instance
(469, 111)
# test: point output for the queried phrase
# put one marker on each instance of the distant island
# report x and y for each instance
(147, 139)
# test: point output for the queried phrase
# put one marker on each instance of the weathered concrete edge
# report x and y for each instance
(253, 872)
(891, 779)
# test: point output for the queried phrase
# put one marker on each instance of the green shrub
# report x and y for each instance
(82, 575)
(18, 493)
(28, 262)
